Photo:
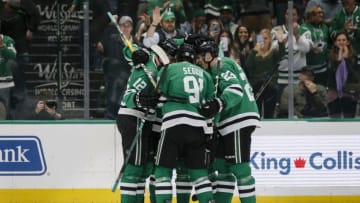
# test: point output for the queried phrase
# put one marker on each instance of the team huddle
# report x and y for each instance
(189, 109)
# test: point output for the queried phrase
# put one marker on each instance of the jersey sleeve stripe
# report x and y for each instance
(236, 89)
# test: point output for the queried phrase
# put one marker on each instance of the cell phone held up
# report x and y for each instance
(260, 40)
(215, 28)
(51, 103)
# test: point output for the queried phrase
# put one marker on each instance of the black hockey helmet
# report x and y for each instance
(186, 52)
(169, 46)
(196, 39)
(208, 46)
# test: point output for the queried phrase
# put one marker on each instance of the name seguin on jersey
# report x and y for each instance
(192, 71)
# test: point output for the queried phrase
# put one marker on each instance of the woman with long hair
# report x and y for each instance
(226, 44)
(262, 71)
(344, 78)
(243, 43)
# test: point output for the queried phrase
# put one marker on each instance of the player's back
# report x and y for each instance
(185, 86)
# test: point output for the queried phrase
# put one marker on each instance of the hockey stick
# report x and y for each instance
(265, 84)
(217, 77)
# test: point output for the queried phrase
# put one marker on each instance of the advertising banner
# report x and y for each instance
(306, 160)
(292, 159)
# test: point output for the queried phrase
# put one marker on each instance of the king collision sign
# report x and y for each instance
(21, 155)
(305, 160)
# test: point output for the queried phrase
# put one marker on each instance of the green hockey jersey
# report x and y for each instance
(234, 89)
(337, 25)
(139, 81)
(7, 53)
(318, 36)
(185, 86)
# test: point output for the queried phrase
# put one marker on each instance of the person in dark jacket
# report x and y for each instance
(19, 20)
(45, 110)
(116, 68)
(309, 97)
(343, 79)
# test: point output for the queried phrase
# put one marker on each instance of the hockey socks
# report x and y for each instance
(224, 181)
(245, 182)
(149, 172)
(202, 185)
(140, 191)
(183, 192)
(225, 187)
(129, 183)
(152, 189)
(183, 185)
(163, 186)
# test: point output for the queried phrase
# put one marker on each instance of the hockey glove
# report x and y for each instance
(146, 99)
(140, 56)
(211, 108)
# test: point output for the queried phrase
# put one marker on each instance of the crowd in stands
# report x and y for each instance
(255, 33)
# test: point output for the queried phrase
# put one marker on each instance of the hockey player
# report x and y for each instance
(182, 180)
(135, 116)
(185, 86)
(170, 47)
(237, 118)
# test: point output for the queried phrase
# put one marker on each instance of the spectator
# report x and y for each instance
(130, 8)
(344, 78)
(115, 66)
(19, 20)
(317, 33)
(255, 15)
(281, 7)
(309, 97)
(262, 68)
(7, 55)
(43, 108)
(124, 8)
(227, 18)
(348, 19)
(243, 43)
(226, 44)
(141, 9)
(330, 7)
(98, 22)
(46, 110)
(215, 27)
(167, 28)
(115, 6)
(197, 24)
(175, 6)
(212, 7)
(301, 45)
(191, 5)
(285, 25)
